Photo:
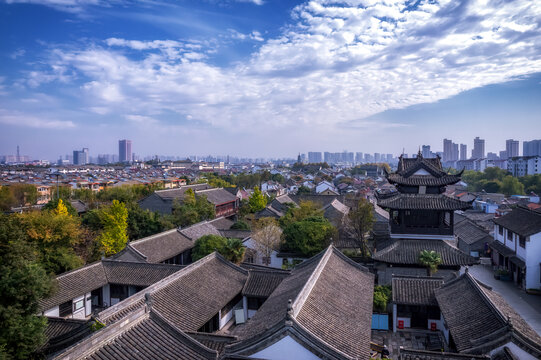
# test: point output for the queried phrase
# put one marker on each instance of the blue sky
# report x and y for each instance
(266, 78)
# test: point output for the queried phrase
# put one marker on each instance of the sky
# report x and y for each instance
(263, 78)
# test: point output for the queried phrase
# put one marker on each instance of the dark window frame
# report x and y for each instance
(522, 241)
(509, 235)
(500, 230)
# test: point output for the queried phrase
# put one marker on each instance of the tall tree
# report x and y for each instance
(56, 234)
(233, 250)
(511, 186)
(257, 200)
(25, 194)
(267, 237)
(305, 210)
(7, 200)
(53, 204)
(23, 282)
(114, 236)
(360, 220)
(207, 244)
(431, 260)
(309, 236)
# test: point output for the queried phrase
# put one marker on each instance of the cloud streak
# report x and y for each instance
(335, 64)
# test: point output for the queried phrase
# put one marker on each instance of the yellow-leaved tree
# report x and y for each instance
(114, 236)
(61, 209)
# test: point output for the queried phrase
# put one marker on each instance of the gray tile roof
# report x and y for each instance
(162, 246)
(236, 234)
(83, 280)
(137, 274)
(217, 196)
(76, 283)
(178, 193)
(191, 296)
(146, 335)
(427, 180)
(261, 283)
(478, 317)
(411, 354)
(406, 251)
(331, 300)
(408, 166)
(501, 248)
(61, 333)
(471, 233)
(222, 223)
(522, 221)
(401, 201)
(195, 231)
(413, 290)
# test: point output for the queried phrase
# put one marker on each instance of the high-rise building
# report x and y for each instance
(511, 147)
(450, 150)
(463, 152)
(377, 157)
(314, 157)
(531, 148)
(80, 157)
(426, 151)
(124, 150)
(359, 157)
(478, 151)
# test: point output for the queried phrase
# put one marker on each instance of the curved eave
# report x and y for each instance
(423, 202)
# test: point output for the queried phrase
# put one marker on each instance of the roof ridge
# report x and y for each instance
(485, 297)
(121, 262)
(311, 282)
(152, 237)
(180, 335)
(98, 262)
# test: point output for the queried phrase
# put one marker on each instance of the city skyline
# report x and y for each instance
(261, 78)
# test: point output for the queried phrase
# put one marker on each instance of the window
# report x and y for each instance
(65, 309)
(78, 305)
(255, 303)
(522, 241)
(510, 235)
(500, 230)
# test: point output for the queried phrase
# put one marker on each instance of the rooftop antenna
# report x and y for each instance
(18, 154)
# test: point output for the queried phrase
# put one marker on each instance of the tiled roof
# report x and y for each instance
(61, 333)
(137, 274)
(146, 335)
(221, 223)
(236, 234)
(76, 283)
(163, 246)
(471, 233)
(426, 180)
(422, 202)
(212, 341)
(477, 316)
(217, 196)
(406, 251)
(411, 354)
(83, 280)
(411, 290)
(408, 166)
(195, 231)
(331, 300)
(522, 221)
(189, 297)
(179, 192)
(501, 248)
(261, 283)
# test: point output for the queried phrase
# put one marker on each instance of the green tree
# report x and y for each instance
(114, 236)
(257, 200)
(193, 209)
(431, 260)
(240, 225)
(206, 245)
(309, 236)
(303, 190)
(360, 221)
(23, 282)
(24, 194)
(305, 210)
(143, 223)
(382, 295)
(511, 186)
(233, 250)
(7, 200)
(56, 236)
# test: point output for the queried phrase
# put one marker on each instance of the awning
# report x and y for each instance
(501, 248)
(517, 261)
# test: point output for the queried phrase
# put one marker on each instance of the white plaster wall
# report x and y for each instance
(407, 321)
(533, 259)
(79, 314)
(54, 312)
(106, 295)
(510, 244)
(518, 352)
(276, 262)
(229, 315)
(521, 252)
(286, 348)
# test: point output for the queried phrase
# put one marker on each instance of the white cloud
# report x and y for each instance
(17, 118)
(72, 6)
(338, 63)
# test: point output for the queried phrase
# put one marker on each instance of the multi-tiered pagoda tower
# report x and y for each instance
(421, 216)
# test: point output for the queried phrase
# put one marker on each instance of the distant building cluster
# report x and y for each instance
(345, 158)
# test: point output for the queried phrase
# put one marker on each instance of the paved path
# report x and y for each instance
(528, 306)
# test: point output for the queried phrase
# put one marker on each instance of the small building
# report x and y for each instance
(472, 238)
(517, 245)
